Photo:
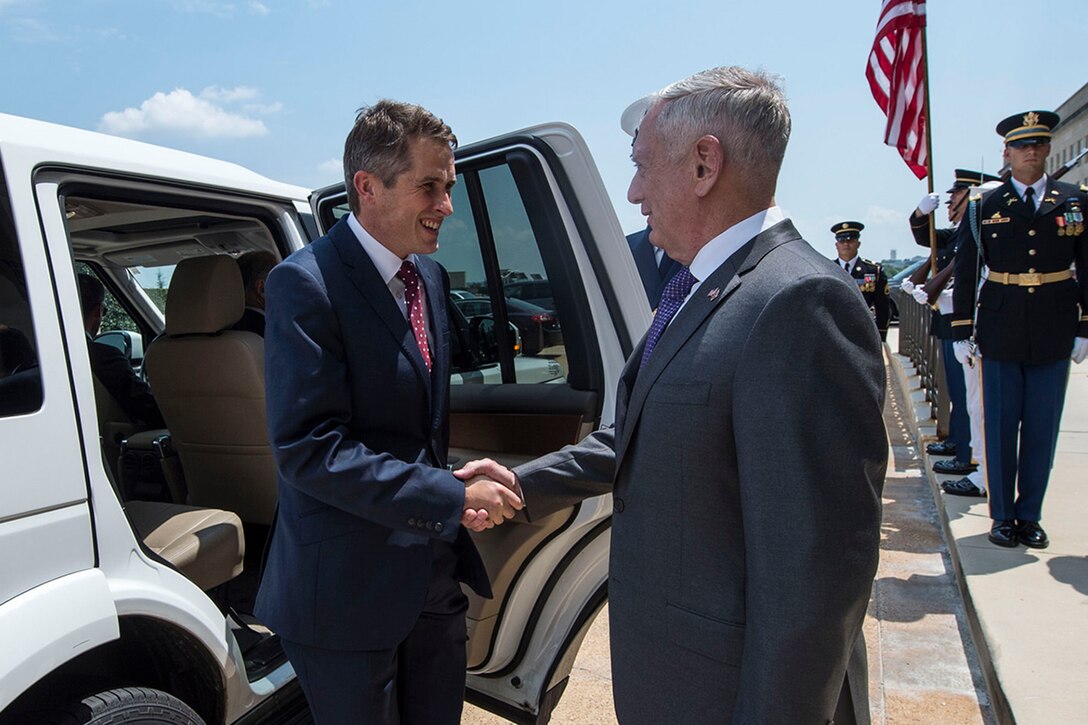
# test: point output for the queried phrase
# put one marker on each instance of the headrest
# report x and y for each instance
(205, 296)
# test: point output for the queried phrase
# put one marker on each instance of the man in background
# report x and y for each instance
(655, 268)
(254, 267)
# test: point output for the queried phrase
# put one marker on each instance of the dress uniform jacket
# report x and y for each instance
(1031, 320)
(873, 284)
(941, 327)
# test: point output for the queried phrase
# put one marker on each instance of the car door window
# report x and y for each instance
(540, 356)
(20, 374)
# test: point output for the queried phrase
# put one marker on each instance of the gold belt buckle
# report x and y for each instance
(1030, 279)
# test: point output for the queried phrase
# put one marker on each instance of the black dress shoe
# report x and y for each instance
(962, 487)
(944, 448)
(1031, 534)
(954, 467)
(1003, 533)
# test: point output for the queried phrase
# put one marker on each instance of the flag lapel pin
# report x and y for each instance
(713, 294)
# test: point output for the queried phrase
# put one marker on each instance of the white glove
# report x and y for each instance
(928, 203)
(1080, 350)
(907, 286)
(963, 352)
(920, 294)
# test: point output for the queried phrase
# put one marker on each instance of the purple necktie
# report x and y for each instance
(674, 294)
(416, 318)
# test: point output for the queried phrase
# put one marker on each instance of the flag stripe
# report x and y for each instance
(896, 79)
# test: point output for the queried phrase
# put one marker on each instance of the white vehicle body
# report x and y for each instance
(79, 590)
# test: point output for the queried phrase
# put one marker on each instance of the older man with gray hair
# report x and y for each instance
(749, 450)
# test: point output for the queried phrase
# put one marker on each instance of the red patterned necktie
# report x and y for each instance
(417, 318)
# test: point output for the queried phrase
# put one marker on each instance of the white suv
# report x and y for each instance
(128, 562)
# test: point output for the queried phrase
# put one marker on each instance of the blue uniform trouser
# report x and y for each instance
(959, 421)
(1022, 408)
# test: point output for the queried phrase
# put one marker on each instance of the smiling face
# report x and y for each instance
(406, 216)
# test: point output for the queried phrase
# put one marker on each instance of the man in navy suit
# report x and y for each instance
(363, 576)
(654, 266)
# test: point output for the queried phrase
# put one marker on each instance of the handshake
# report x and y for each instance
(492, 494)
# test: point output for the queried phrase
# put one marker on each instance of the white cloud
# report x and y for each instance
(258, 8)
(263, 108)
(179, 111)
(883, 215)
(238, 93)
(31, 30)
(222, 10)
(332, 166)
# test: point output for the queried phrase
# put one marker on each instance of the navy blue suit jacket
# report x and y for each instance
(654, 277)
(360, 431)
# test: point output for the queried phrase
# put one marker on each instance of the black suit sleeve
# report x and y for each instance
(114, 371)
(919, 228)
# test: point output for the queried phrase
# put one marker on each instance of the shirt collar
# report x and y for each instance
(387, 263)
(722, 247)
(1039, 186)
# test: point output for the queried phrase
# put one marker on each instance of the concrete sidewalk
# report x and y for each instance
(1027, 608)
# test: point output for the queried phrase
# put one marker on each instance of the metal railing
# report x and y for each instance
(924, 352)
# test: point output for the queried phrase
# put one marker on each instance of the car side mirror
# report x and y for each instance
(129, 343)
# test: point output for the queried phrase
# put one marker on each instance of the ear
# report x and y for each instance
(1005, 155)
(709, 160)
(365, 185)
(259, 285)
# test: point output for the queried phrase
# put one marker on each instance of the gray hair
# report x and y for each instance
(379, 141)
(745, 110)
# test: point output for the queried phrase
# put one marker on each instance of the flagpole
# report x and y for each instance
(929, 153)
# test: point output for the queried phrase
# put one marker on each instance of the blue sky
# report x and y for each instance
(274, 84)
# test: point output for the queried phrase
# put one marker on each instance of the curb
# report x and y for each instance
(996, 693)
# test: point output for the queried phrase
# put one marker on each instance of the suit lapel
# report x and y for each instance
(435, 291)
(712, 293)
(364, 276)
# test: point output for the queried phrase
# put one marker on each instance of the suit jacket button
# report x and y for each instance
(430, 526)
(617, 505)
(411, 522)
(438, 527)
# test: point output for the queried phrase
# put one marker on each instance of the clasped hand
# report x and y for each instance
(492, 494)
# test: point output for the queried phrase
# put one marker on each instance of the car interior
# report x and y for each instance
(201, 493)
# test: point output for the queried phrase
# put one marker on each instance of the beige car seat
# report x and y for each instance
(209, 384)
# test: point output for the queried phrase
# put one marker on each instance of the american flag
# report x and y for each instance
(896, 76)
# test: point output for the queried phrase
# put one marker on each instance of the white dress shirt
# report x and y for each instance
(388, 264)
(1039, 186)
(726, 244)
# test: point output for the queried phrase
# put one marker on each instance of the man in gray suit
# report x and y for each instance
(749, 451)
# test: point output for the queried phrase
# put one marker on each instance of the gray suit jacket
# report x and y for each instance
(746, 466)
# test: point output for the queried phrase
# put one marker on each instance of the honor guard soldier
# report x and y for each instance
(868, 275)
(1030, 318)
(960, 420)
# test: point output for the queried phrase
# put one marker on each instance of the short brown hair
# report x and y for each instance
(378, 142)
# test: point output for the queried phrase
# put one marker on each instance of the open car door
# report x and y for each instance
(530, 375)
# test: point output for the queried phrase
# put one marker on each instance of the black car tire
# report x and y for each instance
(125, 705)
